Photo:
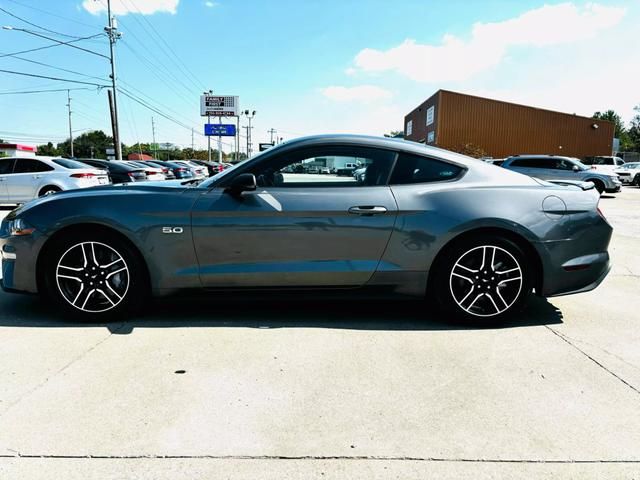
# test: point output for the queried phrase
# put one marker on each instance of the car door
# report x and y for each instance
(6, 168)
(29, 174)
(297, 229)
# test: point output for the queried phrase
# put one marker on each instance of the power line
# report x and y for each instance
(68, 44)
(49, 46)
(53, 78)
(35, 25)
(52, 14)
(27, 92)
(55, 68)
(198, 84)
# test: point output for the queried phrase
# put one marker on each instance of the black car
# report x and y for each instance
(119, 172)
(181, 172)
(213, 167)
(168, 172)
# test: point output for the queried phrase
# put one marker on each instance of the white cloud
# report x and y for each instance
(456, 59)
(360, 93)
(211, 4)
(123, 7)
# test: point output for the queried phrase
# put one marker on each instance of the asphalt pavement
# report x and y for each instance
(298, 389)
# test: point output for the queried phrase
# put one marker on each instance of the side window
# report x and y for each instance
(562, 164)
(6, 166)
(326, 167)
(530, 163)
(416, 169)
(27, 165)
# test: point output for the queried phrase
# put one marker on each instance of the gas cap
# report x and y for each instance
(554, 207)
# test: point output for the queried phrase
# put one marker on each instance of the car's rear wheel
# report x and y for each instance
(483, 280)
(95, 277)
(49, 190)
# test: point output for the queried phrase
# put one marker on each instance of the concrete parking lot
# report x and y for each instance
(330, 390)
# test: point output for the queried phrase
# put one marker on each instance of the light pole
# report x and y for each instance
(249, 115)
(210, 92)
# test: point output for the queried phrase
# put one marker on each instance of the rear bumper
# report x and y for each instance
(579, 281)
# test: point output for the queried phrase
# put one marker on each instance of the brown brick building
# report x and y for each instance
(451, 120)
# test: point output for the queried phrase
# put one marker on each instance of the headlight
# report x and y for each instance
(19, 228)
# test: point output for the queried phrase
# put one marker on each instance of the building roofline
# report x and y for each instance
(442, 90)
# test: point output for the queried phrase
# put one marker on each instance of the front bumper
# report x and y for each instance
(19, 255)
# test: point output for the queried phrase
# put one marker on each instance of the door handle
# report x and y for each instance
(36, 176)
(367, 210)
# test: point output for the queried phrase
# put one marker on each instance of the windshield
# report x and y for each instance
(631, 166)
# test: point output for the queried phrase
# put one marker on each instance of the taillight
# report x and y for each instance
(181, 169)
(83, 175)
(165, 170)
(150, 172)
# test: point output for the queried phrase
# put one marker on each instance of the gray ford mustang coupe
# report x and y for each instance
(474, 238)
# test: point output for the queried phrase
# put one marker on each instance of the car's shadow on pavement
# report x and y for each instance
(354, 314)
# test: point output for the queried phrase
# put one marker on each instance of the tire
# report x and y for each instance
(636, 180)
(95, 277)
(483, 280)
(599, 185)
(48, 191)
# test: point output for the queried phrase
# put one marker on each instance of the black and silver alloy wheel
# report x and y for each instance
(486, 281)
(481, 279)
(92, 277)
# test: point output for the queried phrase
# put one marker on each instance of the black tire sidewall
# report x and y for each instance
(43, 192)
(444, 296)
(136, 293)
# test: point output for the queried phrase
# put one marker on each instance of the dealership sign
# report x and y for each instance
(220, 130)
(218, 106)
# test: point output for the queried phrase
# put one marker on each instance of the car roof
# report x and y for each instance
(398, 144)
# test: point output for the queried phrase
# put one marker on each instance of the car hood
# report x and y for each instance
(119, 188)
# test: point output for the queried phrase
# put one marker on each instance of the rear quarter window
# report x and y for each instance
(6, 166)
(410, 169)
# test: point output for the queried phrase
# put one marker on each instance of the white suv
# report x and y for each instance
(604, 164)
(25, 178)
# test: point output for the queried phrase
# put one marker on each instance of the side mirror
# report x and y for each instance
(242, 183)
(576, 168)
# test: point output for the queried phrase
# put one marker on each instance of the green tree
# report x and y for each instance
(48, 150)
(89, 144)
(620, 132)
(634, 131)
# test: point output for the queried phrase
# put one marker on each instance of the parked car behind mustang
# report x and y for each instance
(629, 173)
(23, 179)
(119, 172)
(552, 167)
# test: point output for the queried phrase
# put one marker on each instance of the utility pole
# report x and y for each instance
(114, 35)
(210, 92)
(70, 130)
(153, 133)
(192, 144)
(272, 132)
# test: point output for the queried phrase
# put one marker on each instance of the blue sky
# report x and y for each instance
(316, 66)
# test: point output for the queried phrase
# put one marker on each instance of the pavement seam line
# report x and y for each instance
(314, 457)
(610, 372)
(64, 367)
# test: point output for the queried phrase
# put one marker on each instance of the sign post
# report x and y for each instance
(218, 106)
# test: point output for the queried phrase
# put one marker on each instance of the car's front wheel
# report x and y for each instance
(94, 277)
(483, 280)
